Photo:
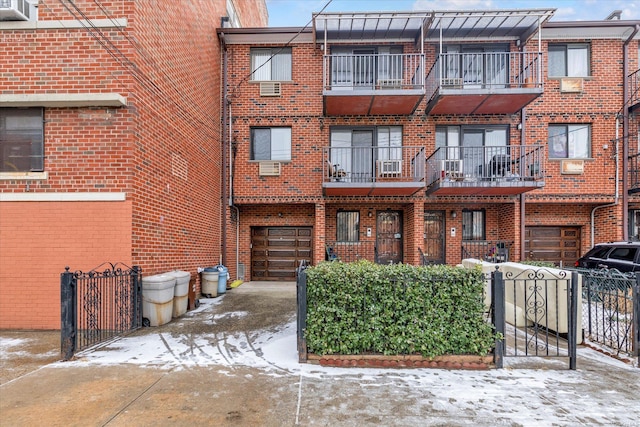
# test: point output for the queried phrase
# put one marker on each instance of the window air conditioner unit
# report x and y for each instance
(452, 83)
(389, 167)
(270, 89)
(451, 169)
(270, 168)
(15, 10)
(571, 84)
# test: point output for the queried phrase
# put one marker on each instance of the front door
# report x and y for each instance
(433, 250)
(389, 237)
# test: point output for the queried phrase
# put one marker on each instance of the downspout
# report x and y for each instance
(625, 134)
(523, 120)
(225, 101)
(231, 156)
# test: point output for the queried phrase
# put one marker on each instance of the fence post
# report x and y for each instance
(572, 337)
(636, 318)
(301, 286)
(497, 301)
(67, 314)
(136, 279)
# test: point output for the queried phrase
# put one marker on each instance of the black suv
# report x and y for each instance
(623, 256)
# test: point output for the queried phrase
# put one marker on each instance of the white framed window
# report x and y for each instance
(348, 226)
(234, 21)
(271, 143)
(271, 64)
(21, 139)
(569, 141)
(569, 60)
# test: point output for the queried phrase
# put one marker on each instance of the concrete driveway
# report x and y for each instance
(233, 362)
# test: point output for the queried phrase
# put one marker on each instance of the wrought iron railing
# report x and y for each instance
(485, 70)
(350, 251)
(99, 305)
(487, 250)
(505, 163)
(372, 164)
(611, 310)
(634, 173)
(375, 72)
(634, 88)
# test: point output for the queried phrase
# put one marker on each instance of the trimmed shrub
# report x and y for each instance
(362, 307)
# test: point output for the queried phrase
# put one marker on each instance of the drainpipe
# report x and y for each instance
(625, 134)
(523, 206)
(225, 101)
(231, 156)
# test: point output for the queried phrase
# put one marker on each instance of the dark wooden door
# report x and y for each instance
(276, 252)
(558, 244)
(433, 248)
(389, 237)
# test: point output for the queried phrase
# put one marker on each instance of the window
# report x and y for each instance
(570, 60)
(366, 67)
(476, 147)
(569, 141)
(271, 143)
(348, 226)
(21, 140)
(475, 65)
(271, 64)
(623, 254)
(473, 225)
(232, 15)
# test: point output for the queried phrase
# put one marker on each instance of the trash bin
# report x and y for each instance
(210, 282)
(181, 292)
(157, 299)
(222, 278)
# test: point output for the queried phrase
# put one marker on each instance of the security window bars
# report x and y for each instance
(271, 143)
(271, 64)
(348, 226)
(570, 141)
(473, 225)
(21, 140)
(569, 60)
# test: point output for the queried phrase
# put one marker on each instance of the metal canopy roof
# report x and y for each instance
(476, 24)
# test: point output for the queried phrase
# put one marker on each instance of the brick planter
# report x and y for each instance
(468, 362)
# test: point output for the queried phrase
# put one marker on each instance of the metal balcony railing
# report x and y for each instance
(634, 88)
(372, 164)
(485, 70)
(634, 173)
(489, 163)
(376, 72)
(487, 250)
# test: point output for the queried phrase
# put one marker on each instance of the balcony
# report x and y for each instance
(483, 83)
(372, 84)
(485, 171)
(373, 171)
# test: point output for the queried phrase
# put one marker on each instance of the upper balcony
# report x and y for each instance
(367, 82)
(485, 171)
(373, 171)
(483, 82)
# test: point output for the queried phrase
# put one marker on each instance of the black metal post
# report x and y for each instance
(573, 320)
(636, 317)
(497, 301)
(67, 314)
(301, 287)
(136, 276)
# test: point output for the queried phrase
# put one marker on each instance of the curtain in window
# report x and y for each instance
(341, 149)
(472, 225)
(577, 61)
(347, 226)
(390, 143)
(281, 65)
(22, 136)
(261, 144)
(578, 145)
(557, 65)
(261, 69)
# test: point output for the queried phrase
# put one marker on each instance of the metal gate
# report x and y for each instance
(536, 311)
(99, 305)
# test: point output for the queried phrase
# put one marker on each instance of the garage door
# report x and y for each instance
(557, 244)
(276, 252)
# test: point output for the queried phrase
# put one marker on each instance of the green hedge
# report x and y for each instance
(361, 307)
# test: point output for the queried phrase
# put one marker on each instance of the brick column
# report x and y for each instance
(319, 233)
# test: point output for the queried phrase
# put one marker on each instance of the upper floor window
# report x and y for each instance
(271, 143)
(473, 225)
(232, 15)
(569, 60)
(570, 141)
(271, 64)
(21, 140)
(366, 67)
(348, 226)
(475, 65)
(478, 150)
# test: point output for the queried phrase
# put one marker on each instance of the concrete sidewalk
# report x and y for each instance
(233, 362)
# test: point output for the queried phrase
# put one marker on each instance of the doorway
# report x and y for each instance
(434, 238)
(389, 237)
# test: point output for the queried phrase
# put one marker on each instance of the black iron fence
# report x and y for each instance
(611, 310)
(487, 250)
(99, 305)
(536, 311)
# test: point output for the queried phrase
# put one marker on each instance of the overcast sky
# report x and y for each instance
(297, 13)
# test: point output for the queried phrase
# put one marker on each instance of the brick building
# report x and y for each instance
(429, 137)
(110, 141)
(130, 132)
